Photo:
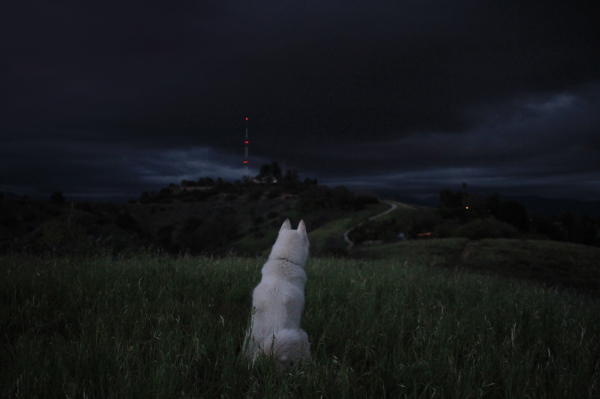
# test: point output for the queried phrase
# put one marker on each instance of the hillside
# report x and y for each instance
(221, 219)
(553, 264)
(216, 219)
(161, 326)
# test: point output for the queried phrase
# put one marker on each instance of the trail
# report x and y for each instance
(393, 206)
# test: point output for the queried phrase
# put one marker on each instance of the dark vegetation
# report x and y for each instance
(461, 214)
(401, 319)
(214, 217)
(207, 216)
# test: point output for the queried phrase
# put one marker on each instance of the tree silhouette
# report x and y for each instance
(267, 170)
(512, 212)
(57, 197)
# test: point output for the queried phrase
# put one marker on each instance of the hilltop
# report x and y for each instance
(206, 217)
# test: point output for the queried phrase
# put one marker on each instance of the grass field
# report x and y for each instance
(555, 264)
(153, 326)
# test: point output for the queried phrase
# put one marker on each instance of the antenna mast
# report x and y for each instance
(246, 173)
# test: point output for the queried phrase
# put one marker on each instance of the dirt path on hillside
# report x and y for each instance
(402, 204)
(393, 206)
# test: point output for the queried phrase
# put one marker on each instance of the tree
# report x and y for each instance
(543, 224)
(57, 197)
(205, 181)
(450, 199)
(492, 203)
(512, 212)
(276, 170)
(291, 177)
(579, 231)
(188, 183)
(267, 170)
(145, 197)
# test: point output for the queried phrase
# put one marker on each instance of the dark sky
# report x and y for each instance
(103, 100)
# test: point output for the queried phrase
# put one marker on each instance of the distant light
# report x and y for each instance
(245, 142)
(245, 161)
(467, 207)
(246, 118)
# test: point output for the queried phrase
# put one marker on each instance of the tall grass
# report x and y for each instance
(173, 327)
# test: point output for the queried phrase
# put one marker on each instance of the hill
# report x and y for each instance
(218, 218)
(159, 326)
(559, 265)
(215, 218)
(534, 204)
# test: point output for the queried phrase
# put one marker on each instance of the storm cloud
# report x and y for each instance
(106, 100)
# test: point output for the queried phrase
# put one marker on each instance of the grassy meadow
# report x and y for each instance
(555, 264)
(154, 326)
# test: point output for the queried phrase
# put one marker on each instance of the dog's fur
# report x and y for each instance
(278, 301)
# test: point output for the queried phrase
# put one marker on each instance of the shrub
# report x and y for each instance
(29, 217)
(259, 220)
(333, 246)
(57, 197)
(254, 195)
(513, 213)
(54, 233)
(191, 224)
(273, 194)
(446, 229)
(358, 205)
(423, 222)
(145, 197)
(165, 239)
(209, 235)
(188, 183)
(8, 221)
(127, 223)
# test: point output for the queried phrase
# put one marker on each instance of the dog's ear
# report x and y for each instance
(302, 228)
(286, 225)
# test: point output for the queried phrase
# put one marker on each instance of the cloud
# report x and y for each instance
(95, 171)
(544, 144)
(118, 98)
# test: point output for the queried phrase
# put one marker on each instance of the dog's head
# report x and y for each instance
(291, 244)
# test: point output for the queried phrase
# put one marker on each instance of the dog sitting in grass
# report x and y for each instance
(278, 301)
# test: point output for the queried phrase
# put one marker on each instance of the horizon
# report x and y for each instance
(533, 203)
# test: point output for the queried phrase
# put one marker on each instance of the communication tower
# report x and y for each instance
(246, 173)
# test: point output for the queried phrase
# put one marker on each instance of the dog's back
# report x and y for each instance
(278, 301)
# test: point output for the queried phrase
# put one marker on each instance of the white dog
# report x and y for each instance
(278, 301)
